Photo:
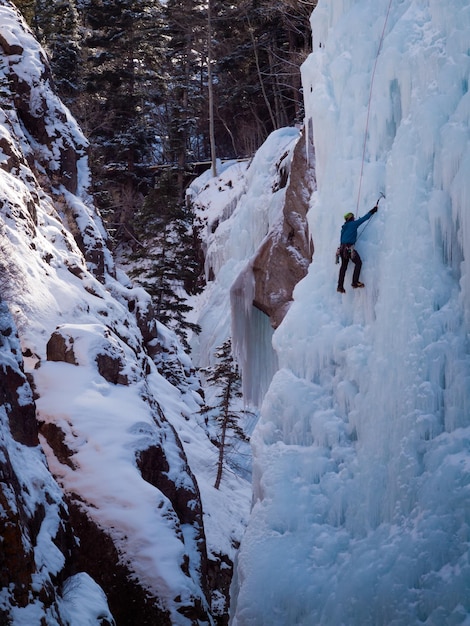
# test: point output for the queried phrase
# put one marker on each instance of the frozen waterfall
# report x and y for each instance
(362, 453)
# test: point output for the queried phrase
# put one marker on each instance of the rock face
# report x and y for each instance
(109, 357)
(97, 498)
(285, 255)
(33, 513)
(130, 603)
(15, 391)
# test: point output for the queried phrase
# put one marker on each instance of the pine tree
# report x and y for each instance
(119, 94)
(56, 26)
(185, 49)
(259, 46)
(125, 74)
(225, 375)
(166, 258)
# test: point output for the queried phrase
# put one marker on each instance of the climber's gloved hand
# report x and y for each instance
(374, 210)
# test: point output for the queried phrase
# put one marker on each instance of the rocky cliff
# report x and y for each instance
(108, 513)
(257, 246)
(100, 514)
(284, 256)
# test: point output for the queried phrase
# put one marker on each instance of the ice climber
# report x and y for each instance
(346, 249)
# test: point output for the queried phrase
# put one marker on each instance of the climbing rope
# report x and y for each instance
(368, 105)
(382, 195)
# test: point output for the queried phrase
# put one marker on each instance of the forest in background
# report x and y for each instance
(158, 87)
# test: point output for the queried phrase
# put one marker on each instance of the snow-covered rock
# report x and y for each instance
(252, 221)
(283, 258)
(99, 507)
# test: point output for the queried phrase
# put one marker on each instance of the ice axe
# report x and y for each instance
(382, 195)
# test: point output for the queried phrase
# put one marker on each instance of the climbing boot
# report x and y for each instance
(341, 290)
(357, 285)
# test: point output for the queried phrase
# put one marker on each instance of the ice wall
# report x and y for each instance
(361, 455)
(238, 209)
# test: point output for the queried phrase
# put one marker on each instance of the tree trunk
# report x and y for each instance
(220, 463)
(211, 91)
(260, 75)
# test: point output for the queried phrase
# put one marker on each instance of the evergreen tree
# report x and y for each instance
(56, 26)
(106, 61)
(167, 264)
(225, 375)
(185, 49)
(124, 74)
(259, 47)
(27, 8)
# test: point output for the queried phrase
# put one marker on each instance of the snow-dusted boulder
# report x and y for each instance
(94, 345)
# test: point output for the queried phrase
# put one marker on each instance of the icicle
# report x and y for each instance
(251, 339)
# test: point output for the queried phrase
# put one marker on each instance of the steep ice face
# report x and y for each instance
(237, 210)
(361, 455)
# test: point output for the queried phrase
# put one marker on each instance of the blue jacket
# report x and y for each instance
(349, 229)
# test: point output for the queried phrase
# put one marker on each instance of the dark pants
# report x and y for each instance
(346, 253)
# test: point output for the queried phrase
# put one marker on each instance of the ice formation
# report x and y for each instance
(361, 454)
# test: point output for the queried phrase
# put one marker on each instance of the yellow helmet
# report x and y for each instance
(348, 216)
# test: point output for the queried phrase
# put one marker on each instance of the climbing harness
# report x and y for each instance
(345, 251)
(369, 103)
